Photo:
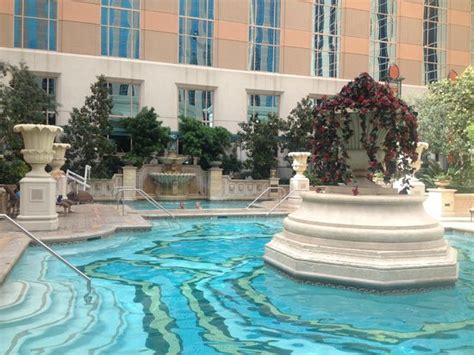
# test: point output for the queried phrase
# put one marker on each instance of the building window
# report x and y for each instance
(35, 24)
(264, 35)
(434, 40)
(196, 28)
(326, 15)
(48, 84)
(382, 37)
(121, 28)
(260, 106)
(126, 103)
(197, 104)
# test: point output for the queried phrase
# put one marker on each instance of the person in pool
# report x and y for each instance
(198, 205)
(181, 205)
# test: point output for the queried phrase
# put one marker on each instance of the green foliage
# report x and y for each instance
(207, 143)
(231, 163)
(298, 127)
(12, 171)
(445, 121)
(260, 140)
(88, 129)
(429, 172)
(23, 101)
(107, 167)
(379, 111)
(148, 136)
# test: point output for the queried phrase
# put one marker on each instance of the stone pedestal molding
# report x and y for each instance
(299, 181)
(215, 184)
(129, 180)
(38, 188)
(380, 242)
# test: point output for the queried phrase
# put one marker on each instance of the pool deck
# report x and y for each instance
(97, 220)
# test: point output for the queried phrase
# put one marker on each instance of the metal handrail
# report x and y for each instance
(147, 197)
(265, 191)
(87, 297)
(283, 199)
(71, 175)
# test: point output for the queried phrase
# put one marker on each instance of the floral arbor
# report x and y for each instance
(365, 121)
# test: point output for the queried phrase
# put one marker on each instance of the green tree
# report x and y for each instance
(22, 101)
(207, 143)
(260, 140)
(147, 134)
(88, 131)
(445, 114)
(298, 127)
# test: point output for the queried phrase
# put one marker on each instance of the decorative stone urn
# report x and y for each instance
(299, 182)
(38, 140)
(57, 162)
(38, 188)
(358, 159)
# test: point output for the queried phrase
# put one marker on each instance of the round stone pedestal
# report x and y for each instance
(377, 242)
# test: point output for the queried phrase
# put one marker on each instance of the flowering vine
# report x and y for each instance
(380, 113)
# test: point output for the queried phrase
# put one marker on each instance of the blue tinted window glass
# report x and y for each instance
(121, 28)
(18, 33)
(260, 106)
(196, 32)
(18, 7)
(197, 104)
(52, 35)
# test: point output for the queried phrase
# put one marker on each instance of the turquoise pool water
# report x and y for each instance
(201, 287)
(189, 204)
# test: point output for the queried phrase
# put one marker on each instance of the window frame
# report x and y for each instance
(22, 18)
(209, 121)
(132, 29)
(391, 42)
(183, 35)
(275, 95)
(441, 48)
(325, 35)
(252, 43)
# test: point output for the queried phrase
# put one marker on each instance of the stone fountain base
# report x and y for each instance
(376, 242)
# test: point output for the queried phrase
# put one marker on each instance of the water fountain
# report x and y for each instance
(366, 236)
(172, 183)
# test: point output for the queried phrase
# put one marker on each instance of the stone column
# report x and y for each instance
(214, 183)
(58, 161)
(38, 188)
(129, 180)
(440, 202)
(418, 187)
(274, 182)
(299, 181)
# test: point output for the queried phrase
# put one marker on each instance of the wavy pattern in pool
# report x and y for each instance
(201, 287)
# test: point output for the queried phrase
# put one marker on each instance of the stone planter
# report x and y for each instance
(300, 162)
(358, 159)
(442, 184)
(38, 140)
(58, 161)
(215, 164)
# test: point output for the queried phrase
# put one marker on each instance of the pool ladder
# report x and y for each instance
(270, 188)
(88, 296)
(151, 200)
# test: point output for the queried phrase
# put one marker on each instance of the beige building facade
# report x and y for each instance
(222, 60)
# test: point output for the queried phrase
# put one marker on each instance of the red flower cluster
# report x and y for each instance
(380, 113)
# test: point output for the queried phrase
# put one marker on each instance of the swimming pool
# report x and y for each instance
(201, 287)
(188, 204)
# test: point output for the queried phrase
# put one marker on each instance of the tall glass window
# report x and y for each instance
(35, 24)
(434, 40)
(260, 106)
(264, 35)
(196, 29)
(197, 104)
(382, 37)
(126, 103)
(326, 38)
(48, 84)
(120, 28)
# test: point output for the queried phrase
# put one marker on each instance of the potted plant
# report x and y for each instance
(363, 130)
